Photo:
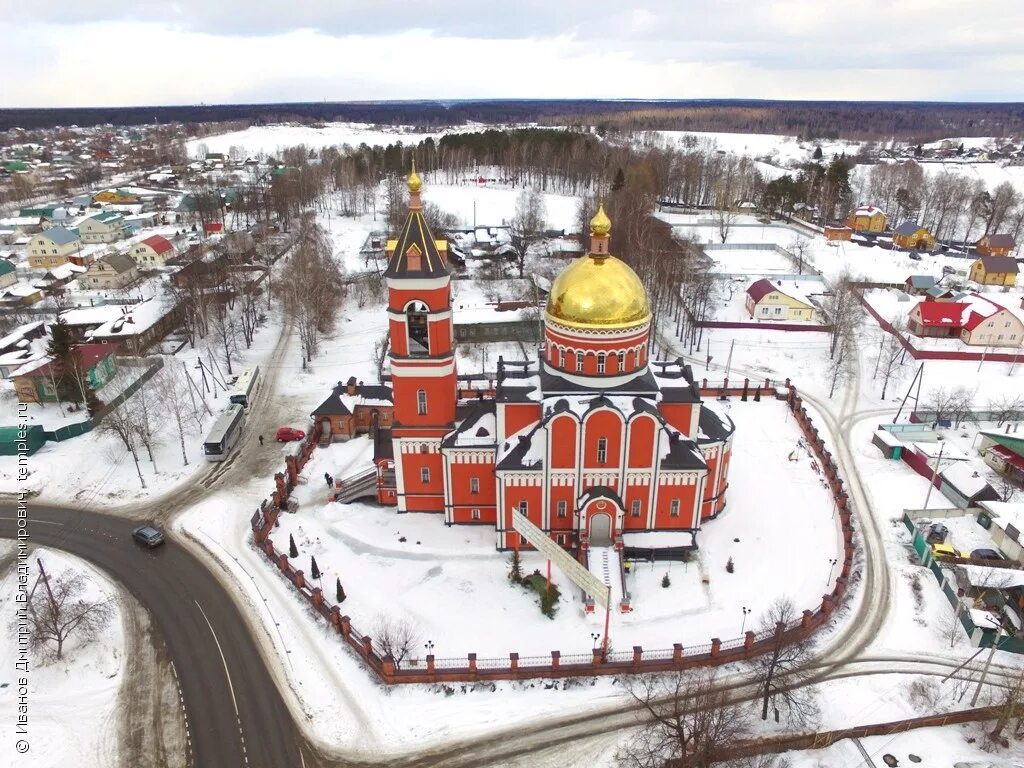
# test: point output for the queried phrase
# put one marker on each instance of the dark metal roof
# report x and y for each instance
(416, 234)
(712, 425)
(682, 454)
(999, 264)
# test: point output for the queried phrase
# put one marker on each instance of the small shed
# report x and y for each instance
(887, 443)
(27, 439)
(965, 487)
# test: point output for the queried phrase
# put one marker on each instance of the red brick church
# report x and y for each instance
(591, 441)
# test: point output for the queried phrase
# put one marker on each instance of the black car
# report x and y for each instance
(148, 535)
(986, 554)
(914, 255)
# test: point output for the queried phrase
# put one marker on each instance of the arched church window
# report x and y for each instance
(602, 450)
(579, 361)
(419, 334)
(421, 402)
(561, 358)
(600, 362)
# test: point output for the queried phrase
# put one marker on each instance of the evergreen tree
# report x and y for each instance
(340, 592)
(293, 551)
(960, 149)
(918, 151)
(314, 569)
(666, 582)
(548, 600)
(63, 351)
(515, 571)
(817, 153)
(619, 182)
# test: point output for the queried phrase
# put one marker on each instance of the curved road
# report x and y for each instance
(236, 716)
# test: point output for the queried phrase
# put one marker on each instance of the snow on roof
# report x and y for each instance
(984, 619)
(867, 210)
(761, 288)
(20, 290)
(1005, 512)
(941, 313)
(976, 309)
(965, 478)
(135, 319)
(65, 271)
(888, 438)
(92, 315)
(158, 243)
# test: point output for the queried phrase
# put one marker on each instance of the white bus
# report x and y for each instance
(246, 385)
(224, 433)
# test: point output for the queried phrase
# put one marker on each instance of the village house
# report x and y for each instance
(774, 302)
(35, 381)
(154, 251)
(53, 247)
(919, 285)
(976, 320)
(995, 245)
(115, 270)
(1004, 453)
(8, 275)
(913, 237)
(104, 227)
(866, 218)
(994, 270)
(134, 329)
(354, 409)
(20, 295)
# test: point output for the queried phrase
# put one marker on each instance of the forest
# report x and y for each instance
(919, 121)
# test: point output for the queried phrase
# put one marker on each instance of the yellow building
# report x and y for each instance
(52, 248)
(913, 237)
(995, 270)
(867, 218)
(772, 302)
(114, 196)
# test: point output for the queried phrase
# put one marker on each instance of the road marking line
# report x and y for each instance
(231, 687)
(34, 521)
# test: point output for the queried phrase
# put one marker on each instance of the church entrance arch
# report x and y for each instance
(600, 529)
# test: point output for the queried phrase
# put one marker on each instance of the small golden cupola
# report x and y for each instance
(598, 290)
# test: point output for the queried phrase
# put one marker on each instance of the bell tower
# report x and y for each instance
(421, 357)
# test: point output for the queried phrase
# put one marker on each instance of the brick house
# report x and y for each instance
(354, 409)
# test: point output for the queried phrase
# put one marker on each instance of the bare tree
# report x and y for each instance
(175, 401)
(842, 309)
(842, 366)
(59, 608)
(687, 721)
(527, 225)
(782, 669)
(122, 423)
(800, 248)
(380, 353)
(224, 332)
(889, 361)
(397, 638)
(1006, 408)
(312, 286)
(1011, 708)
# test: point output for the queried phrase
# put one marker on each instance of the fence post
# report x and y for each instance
(748, 640)
(388, 666)
(282, 562)
(555, 658)
(805, 620)
(300, 579)
(826, 604)
(513, 661)
(335, 618)
(716, 647)
(367, 646)
(430, 664)
(677, 652)
(638, 655)
(597, 657)
(471, 658)
(346, 626)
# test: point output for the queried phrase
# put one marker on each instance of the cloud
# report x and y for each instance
(146, 52)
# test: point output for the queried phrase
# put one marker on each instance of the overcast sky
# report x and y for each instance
(130, 52)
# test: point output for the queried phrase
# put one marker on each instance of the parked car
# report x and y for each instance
(148, 535)
(945, 550)
(948, 270)
(937, 533)
(986, 554)
(914, 255)
(288, 434)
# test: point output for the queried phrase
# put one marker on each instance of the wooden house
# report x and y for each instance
(994, 270)
(913, 237)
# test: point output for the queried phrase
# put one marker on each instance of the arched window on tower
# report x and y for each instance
(419, 333)
(636, 357)
(421, 402)
(579, 362)
(561, 358)
(601, 362)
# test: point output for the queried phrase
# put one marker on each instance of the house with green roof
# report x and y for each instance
(8, 276)
(104, 227)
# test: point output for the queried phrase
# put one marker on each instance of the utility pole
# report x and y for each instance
(988, 663)
(935, 472)
(728, 362)
(982, 361)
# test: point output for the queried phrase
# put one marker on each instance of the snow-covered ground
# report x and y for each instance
(778, 150)
(453, 585)
(73, 716)
(494, 204)
(269, 139)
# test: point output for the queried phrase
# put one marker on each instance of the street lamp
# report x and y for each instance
(743, 626)
(429, 647)
(595, 636)
(832, 567)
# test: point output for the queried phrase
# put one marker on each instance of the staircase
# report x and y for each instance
(358, 486)
(606, 564)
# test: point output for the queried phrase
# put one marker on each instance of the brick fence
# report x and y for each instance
(555, 664)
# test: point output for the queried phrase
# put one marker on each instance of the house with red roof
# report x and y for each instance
(36, 382)
(779, 301)
(154, 251)
(976, 320)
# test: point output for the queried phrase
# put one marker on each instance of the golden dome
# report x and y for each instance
(602, 292)
(600, 225)
(414, 182)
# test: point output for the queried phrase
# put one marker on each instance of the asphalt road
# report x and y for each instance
(236, 716)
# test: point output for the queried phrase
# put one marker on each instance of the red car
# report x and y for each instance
(287, 434)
